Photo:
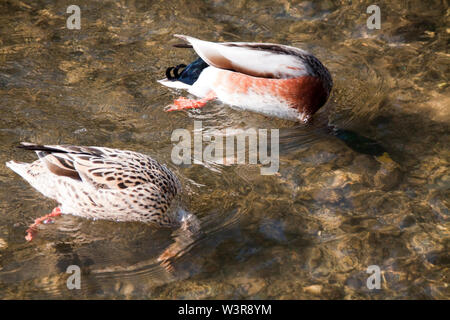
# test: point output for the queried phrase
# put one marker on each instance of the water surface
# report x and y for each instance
(308, 232)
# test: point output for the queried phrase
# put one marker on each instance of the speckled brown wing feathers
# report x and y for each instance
(104, 167)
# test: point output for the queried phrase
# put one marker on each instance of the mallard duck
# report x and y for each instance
(272, 79)
(102, 183)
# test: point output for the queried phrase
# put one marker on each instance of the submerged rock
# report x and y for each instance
(438, 258)
(327, 195)
(314, 289)
(387, 179)
(3, 244)
(388, 175)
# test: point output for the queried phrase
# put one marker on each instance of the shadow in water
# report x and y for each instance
(359, 143)
(304, 135)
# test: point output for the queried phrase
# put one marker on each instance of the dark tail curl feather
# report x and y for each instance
(189, 74)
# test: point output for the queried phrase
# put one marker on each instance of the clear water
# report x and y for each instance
(309, 232)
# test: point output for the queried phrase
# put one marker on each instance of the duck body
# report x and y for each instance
(272, 79)
(102, 183)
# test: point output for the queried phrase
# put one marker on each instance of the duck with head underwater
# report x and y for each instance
(112, 184)
(272, 79)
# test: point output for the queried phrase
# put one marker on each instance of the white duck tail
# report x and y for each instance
(266, 60)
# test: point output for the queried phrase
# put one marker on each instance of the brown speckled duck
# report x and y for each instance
(104, 183)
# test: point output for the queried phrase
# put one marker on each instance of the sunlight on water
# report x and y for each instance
(309, 231)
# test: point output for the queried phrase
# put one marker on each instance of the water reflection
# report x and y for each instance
(308, 232)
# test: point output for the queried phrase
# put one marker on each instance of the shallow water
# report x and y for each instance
(310, 231)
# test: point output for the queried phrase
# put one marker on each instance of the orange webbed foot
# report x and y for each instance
(166, 257)
(45, 220)
(184, 103)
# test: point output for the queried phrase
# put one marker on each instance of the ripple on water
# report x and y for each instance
(309, 231)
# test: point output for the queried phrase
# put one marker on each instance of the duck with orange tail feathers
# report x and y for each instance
(271, 79)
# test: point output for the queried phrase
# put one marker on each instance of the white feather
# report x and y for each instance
(242, 58)
(174, 84)
(262, 103)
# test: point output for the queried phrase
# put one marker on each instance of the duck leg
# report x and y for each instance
(187, 233)
(184, 103)
(45, 219)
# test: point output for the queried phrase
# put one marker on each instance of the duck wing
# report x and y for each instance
(265, 60)
(104, 168)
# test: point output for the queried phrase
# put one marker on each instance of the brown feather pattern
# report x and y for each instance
(103, 183)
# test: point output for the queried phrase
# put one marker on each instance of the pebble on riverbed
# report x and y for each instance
(388, 175)
(248, 286)
(3, 244)
(314, 289)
